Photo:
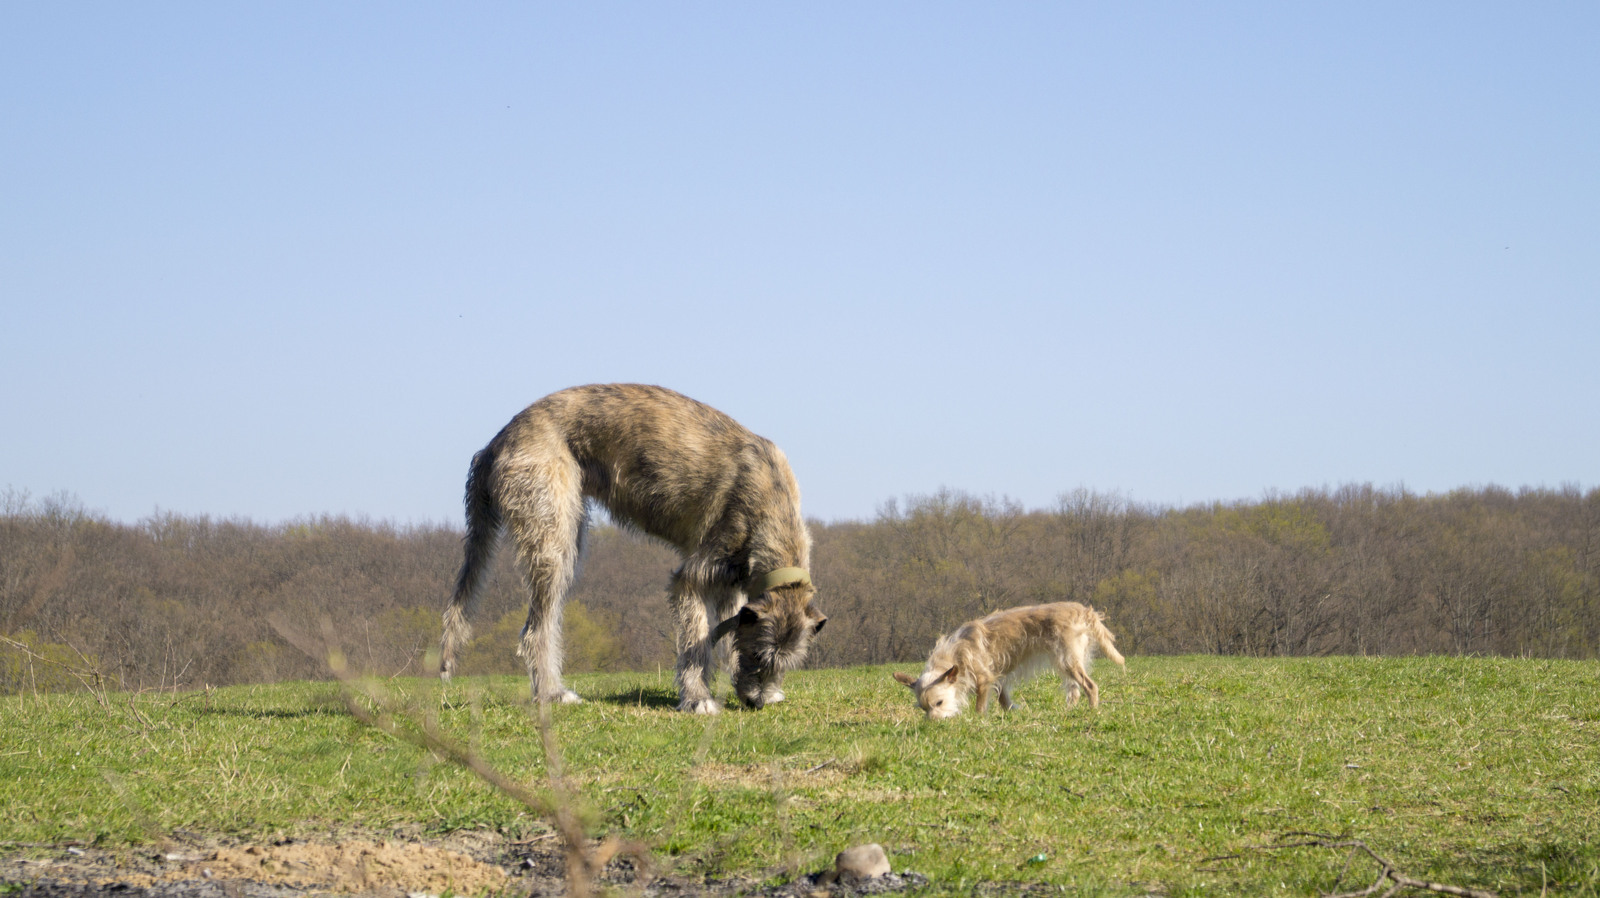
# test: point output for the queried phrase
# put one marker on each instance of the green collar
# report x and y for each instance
(784, 576)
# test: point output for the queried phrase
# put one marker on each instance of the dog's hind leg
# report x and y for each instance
(1091, 687)
(1072, 662)
(546, 516)
(1069, 690)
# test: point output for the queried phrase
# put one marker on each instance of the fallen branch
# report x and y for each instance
(1386, 873)
(137, 715)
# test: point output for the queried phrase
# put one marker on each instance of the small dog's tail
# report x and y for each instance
(483, 533)
(1108, 641)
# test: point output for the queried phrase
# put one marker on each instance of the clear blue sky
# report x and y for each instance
(281, 259)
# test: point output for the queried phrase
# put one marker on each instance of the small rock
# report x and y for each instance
(862, 862)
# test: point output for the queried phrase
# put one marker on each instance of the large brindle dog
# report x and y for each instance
(677, 470)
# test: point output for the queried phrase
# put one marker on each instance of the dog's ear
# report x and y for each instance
(950, 675)
(724, 628)
(744, 618)
(817, 620)
(905, 679)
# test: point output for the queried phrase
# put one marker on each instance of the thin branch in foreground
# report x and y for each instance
(89, 675)
(584, 861)
(374, 708)
(1387, 874)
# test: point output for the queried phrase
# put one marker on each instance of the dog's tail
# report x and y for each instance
(483, 533)
(1108, 641)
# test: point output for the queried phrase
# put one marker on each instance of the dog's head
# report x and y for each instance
(939, 694)
(771, 635)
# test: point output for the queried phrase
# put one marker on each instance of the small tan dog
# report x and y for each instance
(1008, 648)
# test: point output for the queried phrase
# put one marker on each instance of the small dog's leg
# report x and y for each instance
(1080, 677)
(1069, 691)
(1005, 697)
(983, 695)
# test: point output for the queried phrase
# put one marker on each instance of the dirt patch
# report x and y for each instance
(345, 867)
(348, 867)
(401, 866)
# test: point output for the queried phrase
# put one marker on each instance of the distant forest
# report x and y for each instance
(179, 602)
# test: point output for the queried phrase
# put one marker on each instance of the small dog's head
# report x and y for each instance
(939, 695)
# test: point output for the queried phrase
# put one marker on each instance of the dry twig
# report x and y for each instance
(1387, 874)
(88, 675)
(584, 861)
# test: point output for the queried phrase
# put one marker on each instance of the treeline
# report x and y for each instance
(175, 601)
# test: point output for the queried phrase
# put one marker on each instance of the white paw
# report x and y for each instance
(700, 706)
(771, 696)
(564, 697)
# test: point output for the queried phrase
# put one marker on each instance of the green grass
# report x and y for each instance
(1475, 772)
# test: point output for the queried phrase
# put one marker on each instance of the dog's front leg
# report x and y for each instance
(772, 692)
(696, 654)
(983, 695)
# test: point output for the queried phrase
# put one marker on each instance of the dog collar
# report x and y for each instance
(784, 576)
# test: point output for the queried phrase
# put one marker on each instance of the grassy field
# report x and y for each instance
(1469, 771)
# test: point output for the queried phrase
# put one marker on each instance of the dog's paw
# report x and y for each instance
(564, 697)
(772, 696)
(699, 706)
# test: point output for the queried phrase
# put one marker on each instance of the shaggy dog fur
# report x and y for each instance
(1008, 648)
(677, 470)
